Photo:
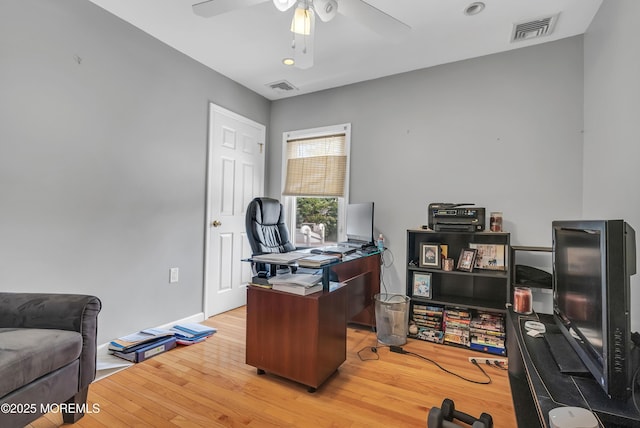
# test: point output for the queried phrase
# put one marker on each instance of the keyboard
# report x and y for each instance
(338, 249)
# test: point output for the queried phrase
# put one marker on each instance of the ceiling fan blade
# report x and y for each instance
(211, 8)
(373, 18)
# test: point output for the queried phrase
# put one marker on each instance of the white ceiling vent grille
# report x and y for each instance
(535, 28)
(282, 86)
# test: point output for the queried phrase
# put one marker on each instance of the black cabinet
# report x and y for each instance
(485, 289)
(461, 305)
(538, 386)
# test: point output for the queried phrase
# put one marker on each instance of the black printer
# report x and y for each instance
(455, 217)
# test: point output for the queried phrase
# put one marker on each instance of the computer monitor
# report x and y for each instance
(360, 223)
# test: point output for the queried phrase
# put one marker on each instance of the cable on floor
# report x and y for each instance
(400, 350)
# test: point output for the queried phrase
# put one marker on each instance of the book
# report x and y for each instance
(136, 340)
(298, 289)
(456, 325)
(187, 342)
(148, 350)
(306, 280)
(317, 260)
(190, 330)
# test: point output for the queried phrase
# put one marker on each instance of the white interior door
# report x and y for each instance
(236, 176)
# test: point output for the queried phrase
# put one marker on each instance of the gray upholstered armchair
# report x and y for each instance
(47, 355)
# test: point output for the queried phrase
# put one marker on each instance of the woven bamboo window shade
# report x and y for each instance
(316, 166)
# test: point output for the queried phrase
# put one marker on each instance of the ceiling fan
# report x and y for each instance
(303, 20)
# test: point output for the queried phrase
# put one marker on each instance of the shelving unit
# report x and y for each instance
(480, 291)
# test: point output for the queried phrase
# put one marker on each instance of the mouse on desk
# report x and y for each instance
(316, 251)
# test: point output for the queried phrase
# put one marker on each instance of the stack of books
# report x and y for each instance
(428, 319)
(143, 345)
(190, 333)
(456, 325)
(301, 284)
(488, 333)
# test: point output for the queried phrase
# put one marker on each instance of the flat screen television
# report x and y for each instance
(360, 223)
(592, 265)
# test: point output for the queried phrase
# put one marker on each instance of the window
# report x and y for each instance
(316, 183)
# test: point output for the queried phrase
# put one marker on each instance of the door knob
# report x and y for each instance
(216, 223)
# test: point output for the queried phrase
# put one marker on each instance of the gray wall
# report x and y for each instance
(503, 131)
(611, 111)
(103, 134)
(103, 149)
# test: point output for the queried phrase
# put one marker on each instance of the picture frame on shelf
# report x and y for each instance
(422, 284)
(429, 255)
(444, 251)
(490, 256)
(466, 261)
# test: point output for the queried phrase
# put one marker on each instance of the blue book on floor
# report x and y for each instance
(195, 329)
(149, 350)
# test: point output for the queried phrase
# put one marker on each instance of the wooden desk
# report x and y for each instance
(362, 275)
(303, 338)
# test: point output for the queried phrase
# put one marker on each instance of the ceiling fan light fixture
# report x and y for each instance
(301, 22)
(283, 5)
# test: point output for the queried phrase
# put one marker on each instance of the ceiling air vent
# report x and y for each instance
(282, 86)
(531, 29)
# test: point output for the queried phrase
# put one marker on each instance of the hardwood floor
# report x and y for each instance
(209, 385)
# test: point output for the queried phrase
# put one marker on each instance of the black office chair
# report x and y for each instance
(268, 233)
(266, 229)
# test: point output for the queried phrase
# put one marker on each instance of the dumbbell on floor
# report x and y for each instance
(443, 417)
(449, 413)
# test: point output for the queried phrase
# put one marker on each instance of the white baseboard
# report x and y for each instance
(107, 364)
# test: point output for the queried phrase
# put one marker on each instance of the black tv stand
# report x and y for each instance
(537, 384)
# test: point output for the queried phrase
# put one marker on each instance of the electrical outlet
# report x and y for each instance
(485, 360)
(173, 275)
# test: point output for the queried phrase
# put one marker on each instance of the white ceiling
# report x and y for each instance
(247, 45)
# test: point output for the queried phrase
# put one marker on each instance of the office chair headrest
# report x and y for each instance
(269, 212)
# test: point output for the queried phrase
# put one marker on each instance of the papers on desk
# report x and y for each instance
(303, 259)
(279, 258)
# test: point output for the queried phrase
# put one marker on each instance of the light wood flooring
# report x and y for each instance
(209, 385)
